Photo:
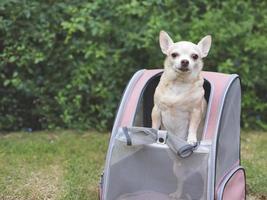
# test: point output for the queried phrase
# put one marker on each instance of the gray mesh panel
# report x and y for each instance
(228, 143)
(153, 172)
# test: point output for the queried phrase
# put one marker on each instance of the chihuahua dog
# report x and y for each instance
(179, 103)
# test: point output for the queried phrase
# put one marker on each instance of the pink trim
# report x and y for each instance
(225, 174)
(131, 104)
(235, 188)
(219, 82)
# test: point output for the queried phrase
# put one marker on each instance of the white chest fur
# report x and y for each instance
(176, 101)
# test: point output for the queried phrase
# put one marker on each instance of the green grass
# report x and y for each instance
(58, 165)
(254, 159)
(65, 165)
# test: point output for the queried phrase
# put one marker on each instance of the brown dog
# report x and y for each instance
(179, 103)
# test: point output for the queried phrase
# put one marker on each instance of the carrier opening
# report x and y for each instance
(146, 101)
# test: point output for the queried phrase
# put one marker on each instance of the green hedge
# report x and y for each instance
(64, 64)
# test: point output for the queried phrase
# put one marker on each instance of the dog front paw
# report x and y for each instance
(174, 196)
(192, 140)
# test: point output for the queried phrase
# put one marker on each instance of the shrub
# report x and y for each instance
(64, 64)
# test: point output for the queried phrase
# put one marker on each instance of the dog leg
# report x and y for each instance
(177, 166)
(156, 117)
(195, 119)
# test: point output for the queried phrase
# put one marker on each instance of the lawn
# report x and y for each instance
(51, 165)
(67, 164)
(254, 159)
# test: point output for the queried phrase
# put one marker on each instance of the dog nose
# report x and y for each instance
(184, 63)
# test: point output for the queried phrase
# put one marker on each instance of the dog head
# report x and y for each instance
(184, 57)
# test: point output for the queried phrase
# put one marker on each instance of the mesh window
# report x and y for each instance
(228, 142)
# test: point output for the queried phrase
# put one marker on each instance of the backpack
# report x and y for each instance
(147, 164)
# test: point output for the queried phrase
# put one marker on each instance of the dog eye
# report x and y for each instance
(174, 55)
(194, 56)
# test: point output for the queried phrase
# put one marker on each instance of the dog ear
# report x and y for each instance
(204, 45)
(164, 41)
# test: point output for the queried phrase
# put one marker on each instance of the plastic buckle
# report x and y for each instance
(162, 137)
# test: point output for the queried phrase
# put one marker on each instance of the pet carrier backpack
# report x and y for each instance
(147, 164)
